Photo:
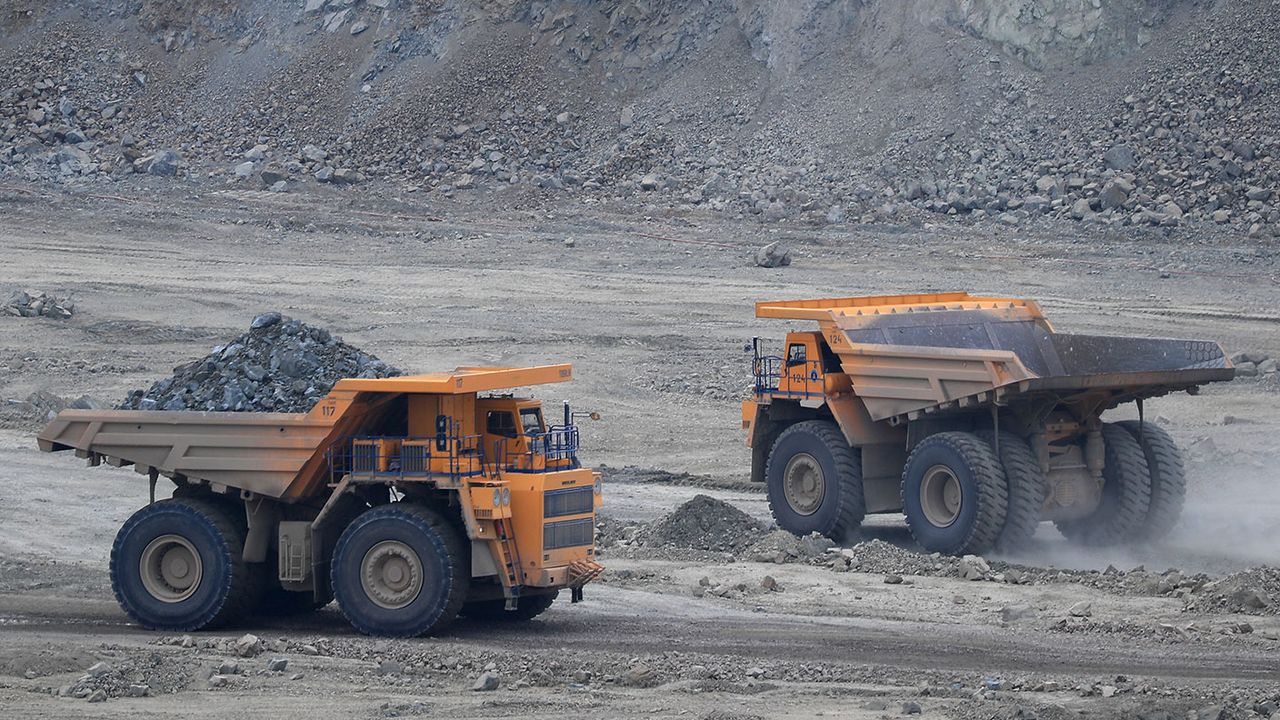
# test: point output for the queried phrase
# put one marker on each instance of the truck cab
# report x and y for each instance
(807, 369)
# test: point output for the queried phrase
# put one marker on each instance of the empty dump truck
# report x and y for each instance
(970, 415)
(408, 499)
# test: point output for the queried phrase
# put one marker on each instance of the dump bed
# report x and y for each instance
(907, 354)
(259, 452)
(279, 455)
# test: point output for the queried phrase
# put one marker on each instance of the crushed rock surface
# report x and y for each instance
(714, 526)
(279, 365)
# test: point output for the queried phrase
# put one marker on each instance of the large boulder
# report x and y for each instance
(164, 163)
(773, 255)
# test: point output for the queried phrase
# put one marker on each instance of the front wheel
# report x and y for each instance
(178, 565)
(814, 481)
(400, 570)
(527, 608)
(954, 494)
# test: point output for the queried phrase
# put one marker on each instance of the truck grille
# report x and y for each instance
(570, 501)
(414, 457)
(568, 533)
(364, 457)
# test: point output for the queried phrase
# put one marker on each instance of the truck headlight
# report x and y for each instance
(506, 496)
(598, 486)
(497, 497)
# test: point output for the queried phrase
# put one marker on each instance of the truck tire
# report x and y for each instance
(954, 494)
(177, 565)
(400, 570)
(814, 481)
(1168, 478)
(1026, 487)
(528, 607)
(1126, 494)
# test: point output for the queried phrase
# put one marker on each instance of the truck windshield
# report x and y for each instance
(531, 420)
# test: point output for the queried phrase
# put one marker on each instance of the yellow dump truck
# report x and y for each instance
(970, 415)
(409, 500)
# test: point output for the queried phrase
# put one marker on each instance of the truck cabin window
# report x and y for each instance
(795, 354)
(501, 422)
(531, 421)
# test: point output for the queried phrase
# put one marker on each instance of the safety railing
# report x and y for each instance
(775, 376)
(389, 458)
(555, 449)
(768, 373)
(409, 458)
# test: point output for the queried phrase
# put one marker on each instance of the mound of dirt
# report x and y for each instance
(279, 365)
(1251, 592)
(705, 523)
(781, 547)
(878, 556)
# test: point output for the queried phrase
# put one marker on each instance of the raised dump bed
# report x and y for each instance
(1005, 410)
(411, 499)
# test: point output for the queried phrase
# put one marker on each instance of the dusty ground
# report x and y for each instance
(654, 312)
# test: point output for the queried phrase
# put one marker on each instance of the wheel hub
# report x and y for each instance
(941, 496)
(170, 568)
(803, 484)
(391, 574)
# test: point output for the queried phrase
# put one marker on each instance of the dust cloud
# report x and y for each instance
(1231, 521)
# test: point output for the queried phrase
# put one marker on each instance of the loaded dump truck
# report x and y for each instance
(970, 415)
(409, 500)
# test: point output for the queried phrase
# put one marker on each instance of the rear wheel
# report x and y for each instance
(1027, 489)
(1168, 479)
(178, 565)
(953, 494)
(527, 608)
(1126, 494)
(814, 481)
(400, 570)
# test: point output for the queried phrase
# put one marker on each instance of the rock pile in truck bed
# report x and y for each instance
(279, 365)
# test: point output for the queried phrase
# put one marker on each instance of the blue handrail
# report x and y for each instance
(465, 454)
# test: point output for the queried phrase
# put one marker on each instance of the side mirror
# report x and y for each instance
(594, 415)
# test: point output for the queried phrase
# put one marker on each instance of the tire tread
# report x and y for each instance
(1168, 478)
(457, 556)
(993, 497)
(1124, 519)
(852, 505)
(527, 608)
(1027, 488)
(244, 590)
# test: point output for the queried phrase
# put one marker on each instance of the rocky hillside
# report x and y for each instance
(1146, 113)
